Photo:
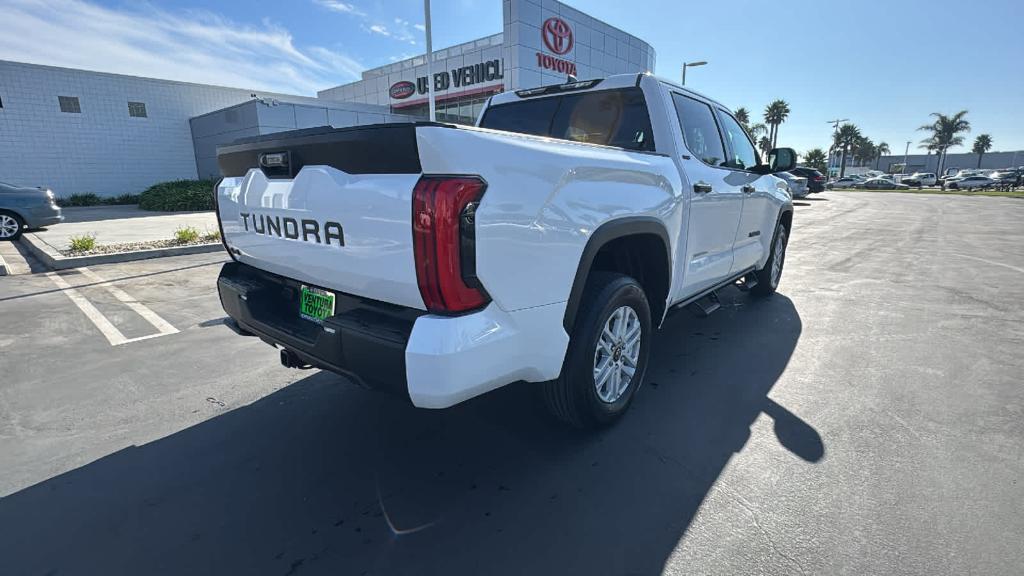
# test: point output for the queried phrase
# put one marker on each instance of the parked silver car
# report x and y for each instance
(971, 183)
(797, 184)
(22, 207)
(883, 184)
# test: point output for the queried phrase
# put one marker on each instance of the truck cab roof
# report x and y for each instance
(593, 84)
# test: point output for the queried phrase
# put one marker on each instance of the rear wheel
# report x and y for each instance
(607, 354)
(768, 277)
(11, 225)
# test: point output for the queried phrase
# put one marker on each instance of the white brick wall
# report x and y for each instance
(101, 150)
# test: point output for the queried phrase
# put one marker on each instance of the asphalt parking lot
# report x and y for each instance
(869, 419)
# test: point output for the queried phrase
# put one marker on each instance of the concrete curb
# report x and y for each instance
(3, 266)
(53, 259)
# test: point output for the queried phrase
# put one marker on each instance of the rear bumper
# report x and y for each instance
(43, 215)
(438, 361)
(365, 339)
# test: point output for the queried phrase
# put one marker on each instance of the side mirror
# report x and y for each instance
(781, 160)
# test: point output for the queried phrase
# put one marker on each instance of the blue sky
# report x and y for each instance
(883, 66)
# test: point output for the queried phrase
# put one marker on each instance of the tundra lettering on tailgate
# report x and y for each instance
(292, 229)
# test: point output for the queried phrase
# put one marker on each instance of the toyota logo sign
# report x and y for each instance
(557, 35)
(402, 90)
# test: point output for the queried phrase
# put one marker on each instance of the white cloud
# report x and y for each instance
(191, 46)
(420, 27)
(343, 7)
(400, 32)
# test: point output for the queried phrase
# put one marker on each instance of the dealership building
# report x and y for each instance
(81, 131)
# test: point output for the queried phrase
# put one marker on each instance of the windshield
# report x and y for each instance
(607, 117)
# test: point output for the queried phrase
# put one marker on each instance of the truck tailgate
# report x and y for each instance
(327, 207)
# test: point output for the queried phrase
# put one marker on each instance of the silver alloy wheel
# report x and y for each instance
(778, 255)
(617, 354)
(8, 226)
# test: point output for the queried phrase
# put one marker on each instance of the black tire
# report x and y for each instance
(6, 217)
(766, 283)
(574, 397)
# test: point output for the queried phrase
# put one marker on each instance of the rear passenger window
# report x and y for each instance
(526, 117)
(700, 130)
(607, 117)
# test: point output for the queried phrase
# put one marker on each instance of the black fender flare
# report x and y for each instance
(605, 233)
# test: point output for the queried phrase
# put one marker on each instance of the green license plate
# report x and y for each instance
(315, 304)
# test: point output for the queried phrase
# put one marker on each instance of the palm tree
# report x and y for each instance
(758, 133)
(864, 150)
(765, 143)
(982, 144)
(929, 146)
(743, 117)
(946, 133)
(816, 158)
(881, 150)
(775, 114)
(846, 138)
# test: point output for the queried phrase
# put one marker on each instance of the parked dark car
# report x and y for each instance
(815, 179)
(23, 207)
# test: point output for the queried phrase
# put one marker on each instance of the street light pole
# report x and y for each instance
(430, 62)
(906, 151)
(833, 155)
(690, 65)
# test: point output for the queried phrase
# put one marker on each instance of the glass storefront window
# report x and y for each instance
(460, 111)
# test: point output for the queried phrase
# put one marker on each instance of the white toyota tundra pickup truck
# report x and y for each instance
(544, 245)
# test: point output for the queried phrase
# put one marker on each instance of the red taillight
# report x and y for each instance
(444, 242)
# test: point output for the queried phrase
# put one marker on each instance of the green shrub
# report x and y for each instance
(186, 234)
(91, 199)
(120, 200)
(213, 236)
(83, 243)
(178, 195)
(80, 199)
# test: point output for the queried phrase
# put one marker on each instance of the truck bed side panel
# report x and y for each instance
(544, 199)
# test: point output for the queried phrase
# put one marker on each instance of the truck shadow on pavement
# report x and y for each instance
(324, 478)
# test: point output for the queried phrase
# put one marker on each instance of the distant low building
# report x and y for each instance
(930, 162)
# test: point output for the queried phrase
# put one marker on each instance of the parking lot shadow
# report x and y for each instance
(324, 478)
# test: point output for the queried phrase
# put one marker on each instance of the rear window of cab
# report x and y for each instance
(616, 117)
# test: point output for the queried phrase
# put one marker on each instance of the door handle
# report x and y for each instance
(701, 188)
(748, 189)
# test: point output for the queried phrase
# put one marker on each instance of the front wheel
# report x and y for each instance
(607, 354)
(11, 225)
(768, 277)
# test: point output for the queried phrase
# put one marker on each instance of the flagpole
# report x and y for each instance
(430, 61)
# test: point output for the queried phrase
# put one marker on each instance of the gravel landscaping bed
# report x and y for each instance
(134, 247)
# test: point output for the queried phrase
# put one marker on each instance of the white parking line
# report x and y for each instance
(113, 335)
(163, 326)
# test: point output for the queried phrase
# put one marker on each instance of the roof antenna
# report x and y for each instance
(571, 79)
